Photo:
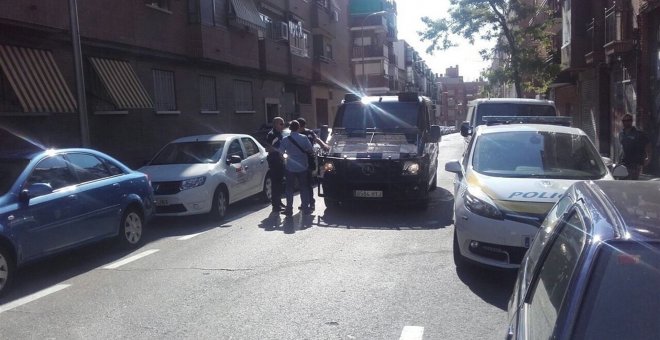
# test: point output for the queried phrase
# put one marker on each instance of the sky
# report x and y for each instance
(466, 56)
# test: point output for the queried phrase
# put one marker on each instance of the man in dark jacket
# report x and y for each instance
(276, 163)
(313, 138)
(635, 146)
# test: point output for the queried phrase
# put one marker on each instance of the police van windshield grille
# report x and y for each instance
(537, 154)
(510, 109)
(382, 115)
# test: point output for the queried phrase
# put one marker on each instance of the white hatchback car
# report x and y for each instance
(206, 173)
(509, 178)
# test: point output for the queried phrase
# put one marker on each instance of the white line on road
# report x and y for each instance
(32, 297)
(412, 333)
(130, 259)
(188, 237)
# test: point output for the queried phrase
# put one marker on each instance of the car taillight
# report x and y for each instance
(628, 259)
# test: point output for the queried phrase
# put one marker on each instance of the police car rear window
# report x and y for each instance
(513, 109)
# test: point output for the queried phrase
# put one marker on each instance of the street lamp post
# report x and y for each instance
(365, 83)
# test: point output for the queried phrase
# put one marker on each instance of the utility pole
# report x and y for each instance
(80, 79)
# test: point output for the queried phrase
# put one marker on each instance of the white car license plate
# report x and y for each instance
(368, 193)
(161, 202)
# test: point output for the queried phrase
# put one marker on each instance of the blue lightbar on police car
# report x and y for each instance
(495, 120)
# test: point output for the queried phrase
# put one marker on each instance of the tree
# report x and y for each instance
(522, 41)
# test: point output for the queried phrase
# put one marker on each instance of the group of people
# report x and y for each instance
(288, 159)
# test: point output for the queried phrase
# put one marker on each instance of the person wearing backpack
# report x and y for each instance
(297, 149)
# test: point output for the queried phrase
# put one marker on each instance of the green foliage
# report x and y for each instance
(521, 45)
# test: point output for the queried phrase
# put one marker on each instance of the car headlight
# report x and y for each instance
(328, 167)
(479, 203)
(410, 168)
(192, 182)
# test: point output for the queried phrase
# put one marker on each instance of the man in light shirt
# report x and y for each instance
(296, 147)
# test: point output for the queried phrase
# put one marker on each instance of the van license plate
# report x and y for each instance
(368, 193)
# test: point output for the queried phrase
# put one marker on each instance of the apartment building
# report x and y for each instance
(155, 70)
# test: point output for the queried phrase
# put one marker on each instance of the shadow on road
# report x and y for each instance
(64, 266)
(491, 285)
(369, 215)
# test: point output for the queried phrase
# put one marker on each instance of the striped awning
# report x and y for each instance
(122, 84)
(36, 79)
(246, 13)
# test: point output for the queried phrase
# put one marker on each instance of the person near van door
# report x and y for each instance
(313, 138)
(296, 147)
(635, 146)
(276, 163)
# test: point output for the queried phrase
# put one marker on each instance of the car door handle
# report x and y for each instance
(73, 197)
(115, 185)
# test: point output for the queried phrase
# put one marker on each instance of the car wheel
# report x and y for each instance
(220, 203)
(267, 192)
(459, 260)
(7, 269)
(131, 228)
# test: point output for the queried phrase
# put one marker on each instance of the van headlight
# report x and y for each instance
(192, 183)
(479, 203)
(410, 168)
(328, 166)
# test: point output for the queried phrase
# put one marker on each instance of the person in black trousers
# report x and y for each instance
(276, 163)
(313, 138)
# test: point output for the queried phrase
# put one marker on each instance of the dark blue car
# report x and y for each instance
(54, 200)
(593, 271)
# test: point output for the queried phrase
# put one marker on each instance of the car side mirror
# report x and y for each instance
(466, 129)
(454, 166)
(35, 190)
(620, 172)
(234, 159)
(436, 133)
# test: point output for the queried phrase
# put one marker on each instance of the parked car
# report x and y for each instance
(55, 200)
(508, 179)
(206, 173)
(593, 270)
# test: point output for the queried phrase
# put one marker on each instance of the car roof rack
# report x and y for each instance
(499, 120)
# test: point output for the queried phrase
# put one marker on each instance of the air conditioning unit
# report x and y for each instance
(284, 32)
(335, 16)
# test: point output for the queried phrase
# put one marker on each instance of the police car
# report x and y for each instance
(509, 178)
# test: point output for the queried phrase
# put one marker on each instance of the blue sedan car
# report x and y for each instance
(55, 200)
(593, 270)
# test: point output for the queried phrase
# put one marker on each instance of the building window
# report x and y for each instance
(164, 91)
(160, 4)
(328, 51)
(207, 94)
(243, 96)
(298, 39)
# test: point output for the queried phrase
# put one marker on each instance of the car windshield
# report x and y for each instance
(512, 109)
(621, 294)
(378, 115)
(189, 153)
(10, 169)
(539, 154)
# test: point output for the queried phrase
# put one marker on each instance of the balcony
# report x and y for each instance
(618, 30)
(594, 43)
(377, 51)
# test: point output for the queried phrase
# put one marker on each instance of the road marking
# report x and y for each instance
(32, 297)
(412, 333)
(130, 259)
(188, 237)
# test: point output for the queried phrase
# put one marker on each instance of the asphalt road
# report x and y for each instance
(364, 272)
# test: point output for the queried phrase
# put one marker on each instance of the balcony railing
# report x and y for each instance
(618, 33)
(369, 51)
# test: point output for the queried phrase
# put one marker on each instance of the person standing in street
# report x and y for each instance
(636, 148)
(296, 147)
(276, 163)
(313, 138)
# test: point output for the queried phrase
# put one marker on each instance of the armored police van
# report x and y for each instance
(382, 148)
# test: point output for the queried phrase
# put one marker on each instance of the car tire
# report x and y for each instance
(220, 203)
(459, 260)
(7, 269)
(267, 192)
(131, 228)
